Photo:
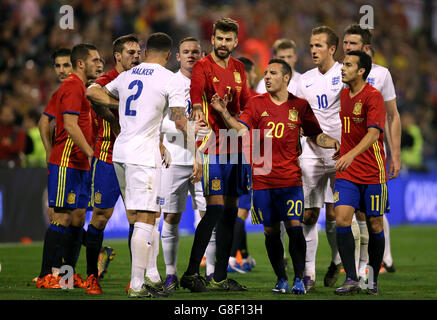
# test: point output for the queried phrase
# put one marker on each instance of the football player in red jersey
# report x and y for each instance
(222, 179)
(277, 181)
(69, 163)
(360, 181)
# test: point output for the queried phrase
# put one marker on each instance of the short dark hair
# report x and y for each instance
(81, 52)
(365, 61)
(366, 36)
(332, 38)
(286, 69)
(118, 44)
(61, 52)
(226, 25)
(282, 44)
(248, 64)
(159, 41)
(187, 39)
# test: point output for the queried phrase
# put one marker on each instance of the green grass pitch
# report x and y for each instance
(413, 248)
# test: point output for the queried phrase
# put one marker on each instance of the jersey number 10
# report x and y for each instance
(133, 97)
(323, 101)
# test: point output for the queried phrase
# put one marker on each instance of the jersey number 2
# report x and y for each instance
(133, 97)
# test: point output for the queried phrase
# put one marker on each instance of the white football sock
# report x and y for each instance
(152, 269)
(197, 218)
(388, 259)
(331, 234)
(364, 244)
(210, 254)
(170, 246)
(141, 244)
(312, 239)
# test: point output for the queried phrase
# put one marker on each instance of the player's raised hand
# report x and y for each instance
(219, 104)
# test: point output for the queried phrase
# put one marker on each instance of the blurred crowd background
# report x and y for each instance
(403, 40)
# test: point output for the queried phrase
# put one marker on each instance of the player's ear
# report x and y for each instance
(236, 41)
(212, 40)
(361, 71)
(117, 56)
(80, 64)
(168, 56)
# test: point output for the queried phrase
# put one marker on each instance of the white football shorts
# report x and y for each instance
(318, 178)
(140, 186)
(175, 185)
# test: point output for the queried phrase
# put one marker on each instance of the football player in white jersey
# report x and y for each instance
(144, 94)
(284, 49)
(176, 180)
(356, 38)
(321, 87)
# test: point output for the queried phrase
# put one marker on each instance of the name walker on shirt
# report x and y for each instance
(142, 71)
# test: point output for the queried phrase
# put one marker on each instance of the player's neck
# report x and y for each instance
(356, 86)
(279, 97)
(158, 59)
(221, 62)
(325, 67)
(186, 73)
(81, 75)
(119, 68)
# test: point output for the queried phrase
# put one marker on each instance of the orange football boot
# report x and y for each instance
(78, 281)
(93, 285)
(48, 282)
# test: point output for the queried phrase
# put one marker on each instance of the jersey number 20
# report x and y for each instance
(133, 97)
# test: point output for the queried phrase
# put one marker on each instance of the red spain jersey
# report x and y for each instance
(71, 99)
(357, 114)
(278, 166)
(105, 136)
(209, 78)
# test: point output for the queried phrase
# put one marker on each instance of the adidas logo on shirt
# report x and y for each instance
(264, 114)
(215, 79)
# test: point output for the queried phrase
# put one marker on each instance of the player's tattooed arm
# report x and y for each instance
(99, 95)
(181, 122)
(325, 141)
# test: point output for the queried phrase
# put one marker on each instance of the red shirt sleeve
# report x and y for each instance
(248, 116)
(71, 100)
(376, 111)
(198, 79)
(50, 109)
(310, 125)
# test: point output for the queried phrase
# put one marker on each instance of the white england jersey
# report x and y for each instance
(292, 86)
(145, 92)
(322, 91)
(174, 139)
(380, 78)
